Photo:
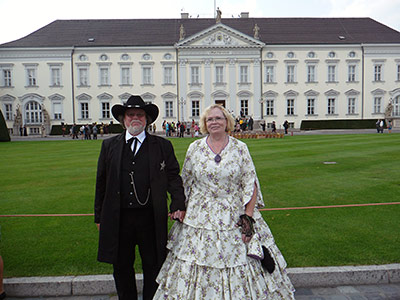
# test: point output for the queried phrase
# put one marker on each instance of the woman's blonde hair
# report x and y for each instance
(230, 122)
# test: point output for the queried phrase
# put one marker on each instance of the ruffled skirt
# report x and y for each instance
(207, 264)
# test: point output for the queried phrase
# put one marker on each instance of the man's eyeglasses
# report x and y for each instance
(216, 119)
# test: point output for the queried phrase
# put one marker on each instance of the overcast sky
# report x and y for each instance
(22, 17)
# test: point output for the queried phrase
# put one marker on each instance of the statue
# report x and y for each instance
(389, 109)
(256, 30)
(46, 119)
(219, 14)
(182, 33)
(17, 126)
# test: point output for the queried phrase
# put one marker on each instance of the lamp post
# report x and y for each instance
(182, 102)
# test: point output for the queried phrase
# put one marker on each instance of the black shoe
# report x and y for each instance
(3, 295)
(268, 262)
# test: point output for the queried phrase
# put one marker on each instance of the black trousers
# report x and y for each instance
(136, 228)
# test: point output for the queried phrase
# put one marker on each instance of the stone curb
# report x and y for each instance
(104, 284)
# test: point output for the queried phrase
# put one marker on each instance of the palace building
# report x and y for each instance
(276, 69)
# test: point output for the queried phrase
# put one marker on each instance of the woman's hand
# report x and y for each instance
(247, 227)
(178, 215)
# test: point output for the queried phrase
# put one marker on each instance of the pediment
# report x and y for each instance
(7, 97)
(219, 36)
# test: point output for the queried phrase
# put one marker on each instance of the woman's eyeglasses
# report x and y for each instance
(216, 119)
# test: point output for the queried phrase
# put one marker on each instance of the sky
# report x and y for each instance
(22, 17)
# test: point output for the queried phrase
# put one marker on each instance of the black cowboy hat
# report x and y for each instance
(119, 110)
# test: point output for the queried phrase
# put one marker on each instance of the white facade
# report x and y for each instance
(217, 65)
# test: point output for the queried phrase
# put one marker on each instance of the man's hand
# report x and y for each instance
(98, 226)
(178, 215)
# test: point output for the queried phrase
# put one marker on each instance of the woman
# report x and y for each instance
(218, 250)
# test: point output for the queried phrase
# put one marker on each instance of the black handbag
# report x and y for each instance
(268, 262)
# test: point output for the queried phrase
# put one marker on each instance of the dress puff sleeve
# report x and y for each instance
(249, 177)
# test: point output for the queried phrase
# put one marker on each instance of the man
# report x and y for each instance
(133, 178)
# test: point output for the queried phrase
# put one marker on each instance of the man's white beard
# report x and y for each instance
(135, 129)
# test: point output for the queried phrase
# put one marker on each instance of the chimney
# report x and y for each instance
(185, 15)
(244, 15)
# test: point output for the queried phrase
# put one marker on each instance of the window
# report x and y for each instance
(331, 106)
(311, 73)
(290, 107)
(125, 57)
(147, 75)
(351, 106)
(7, 78)
(244, 76)
(168, 75)
(244, 106)
(290, 54)
(377, 105)
(8, 112)
(378, 73)
(83, 76)
(31, 74)
(55, 76)
(269, 74)
(311, 54)
(290, 69)
(352, 73)
(310, 106)
(398, 73)
(195, 76)
(57, 110)
(169, 111)
(105, 110)
(104, 75)
(126, 75)
(219, 74)
(396, 106)
(33, 113)
(84, 110)
(332, 54)
(195, 108)
(270, 107)
(331, 73)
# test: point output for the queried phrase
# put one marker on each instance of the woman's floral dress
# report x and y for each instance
(207, 257)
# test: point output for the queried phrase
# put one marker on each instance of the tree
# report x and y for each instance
(4, 135)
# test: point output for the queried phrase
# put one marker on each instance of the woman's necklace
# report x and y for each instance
(217, 157)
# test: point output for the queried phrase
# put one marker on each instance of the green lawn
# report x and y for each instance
(56, 177)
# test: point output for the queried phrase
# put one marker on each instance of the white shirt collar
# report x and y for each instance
(141, 136)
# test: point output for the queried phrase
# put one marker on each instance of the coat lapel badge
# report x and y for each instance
(162, 165)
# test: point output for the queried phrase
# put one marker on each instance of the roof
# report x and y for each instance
(165, 32)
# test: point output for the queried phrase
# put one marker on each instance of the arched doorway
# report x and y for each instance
(33, 117)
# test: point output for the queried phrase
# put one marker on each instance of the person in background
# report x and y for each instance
(273, 127)
(223, 249)
(286, 126)
(134, 173)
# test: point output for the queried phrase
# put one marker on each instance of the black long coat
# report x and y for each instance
(164, 176)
